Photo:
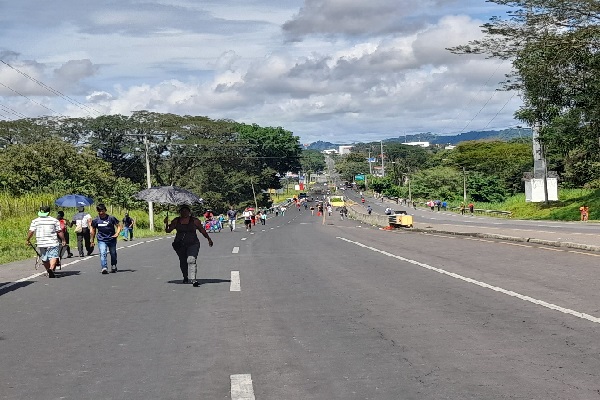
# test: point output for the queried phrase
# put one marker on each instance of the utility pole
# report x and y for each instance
(254, 194)
(464, 186)
(540, 168)
(370, 164)
(382, 168)
(149, 182)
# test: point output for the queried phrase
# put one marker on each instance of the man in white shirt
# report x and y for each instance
(247, 214)
(81, 221)
(47, 234)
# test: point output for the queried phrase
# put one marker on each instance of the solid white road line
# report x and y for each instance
(235, 285)
(482, 284)
(235, 250)
(241, 387)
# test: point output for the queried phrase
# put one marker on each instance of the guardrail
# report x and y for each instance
(457, 209)
(484, 211)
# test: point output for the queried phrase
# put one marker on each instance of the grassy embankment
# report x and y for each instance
(16, 215)
(566, 209)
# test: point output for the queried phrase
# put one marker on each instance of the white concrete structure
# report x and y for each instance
(330, 151)
(534, 190)
(421, 144)
(344, 149)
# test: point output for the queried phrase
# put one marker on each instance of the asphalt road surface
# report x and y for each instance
(425, 215)
(307, 308)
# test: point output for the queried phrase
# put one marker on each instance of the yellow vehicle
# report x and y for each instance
(336, 201)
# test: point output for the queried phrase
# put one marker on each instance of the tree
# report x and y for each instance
(312, 161)
(350, 165)
(554, 48)
(273, 148)
(506, 161)
(443, 183)
(54, 166)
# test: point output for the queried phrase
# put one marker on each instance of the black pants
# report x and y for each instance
(84, 237)
(187, 260)
(66, 248)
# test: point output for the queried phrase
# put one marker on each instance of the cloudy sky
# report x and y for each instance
(334, 70)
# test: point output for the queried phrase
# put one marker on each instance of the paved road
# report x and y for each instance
(574, 234)
(323, 309)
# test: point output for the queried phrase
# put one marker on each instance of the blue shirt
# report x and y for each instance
(105, 228)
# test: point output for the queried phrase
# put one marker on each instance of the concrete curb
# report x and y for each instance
(553, 243)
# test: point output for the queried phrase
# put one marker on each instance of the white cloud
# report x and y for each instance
(359, 69)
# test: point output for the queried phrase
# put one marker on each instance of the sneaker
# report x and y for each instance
(196, 284)
(51, 274)
(70, 255)
(113, 269)
(81, 255)
(185, 280)
(104, 271)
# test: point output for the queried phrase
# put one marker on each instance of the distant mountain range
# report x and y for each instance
(435, 139)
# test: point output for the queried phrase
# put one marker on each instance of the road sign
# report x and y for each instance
(359, 178)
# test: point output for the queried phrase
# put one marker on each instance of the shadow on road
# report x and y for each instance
(64, 274)
(11, 287)
(202, 281)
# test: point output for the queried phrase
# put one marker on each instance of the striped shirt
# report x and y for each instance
(46, 229)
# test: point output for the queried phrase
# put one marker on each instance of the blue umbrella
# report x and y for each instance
(74, 200)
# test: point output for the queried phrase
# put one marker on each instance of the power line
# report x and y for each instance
(82, 106)
(11, 111)
(33, 101)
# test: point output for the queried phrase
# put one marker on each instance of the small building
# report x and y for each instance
(344, 150)
(420, 144)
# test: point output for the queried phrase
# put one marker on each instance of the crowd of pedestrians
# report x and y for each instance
(103, 230)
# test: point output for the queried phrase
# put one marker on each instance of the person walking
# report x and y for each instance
(471, 208)
(81, 222)
(369, 210)
(231, 215)
(247, 214)
(584, 210)
(64, 228)
(48, 238)
(263, 218)
(128, 224)
(186, 243)
(106, 229)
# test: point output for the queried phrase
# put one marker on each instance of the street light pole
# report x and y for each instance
(464, 185)
(149, 182)
(382, 168)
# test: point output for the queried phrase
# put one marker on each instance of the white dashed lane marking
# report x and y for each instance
(235, 285)
(235, 250)
(241, 387)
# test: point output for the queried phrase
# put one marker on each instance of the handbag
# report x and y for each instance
(179, 243)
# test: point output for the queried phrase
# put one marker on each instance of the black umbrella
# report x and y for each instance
(168, 195)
